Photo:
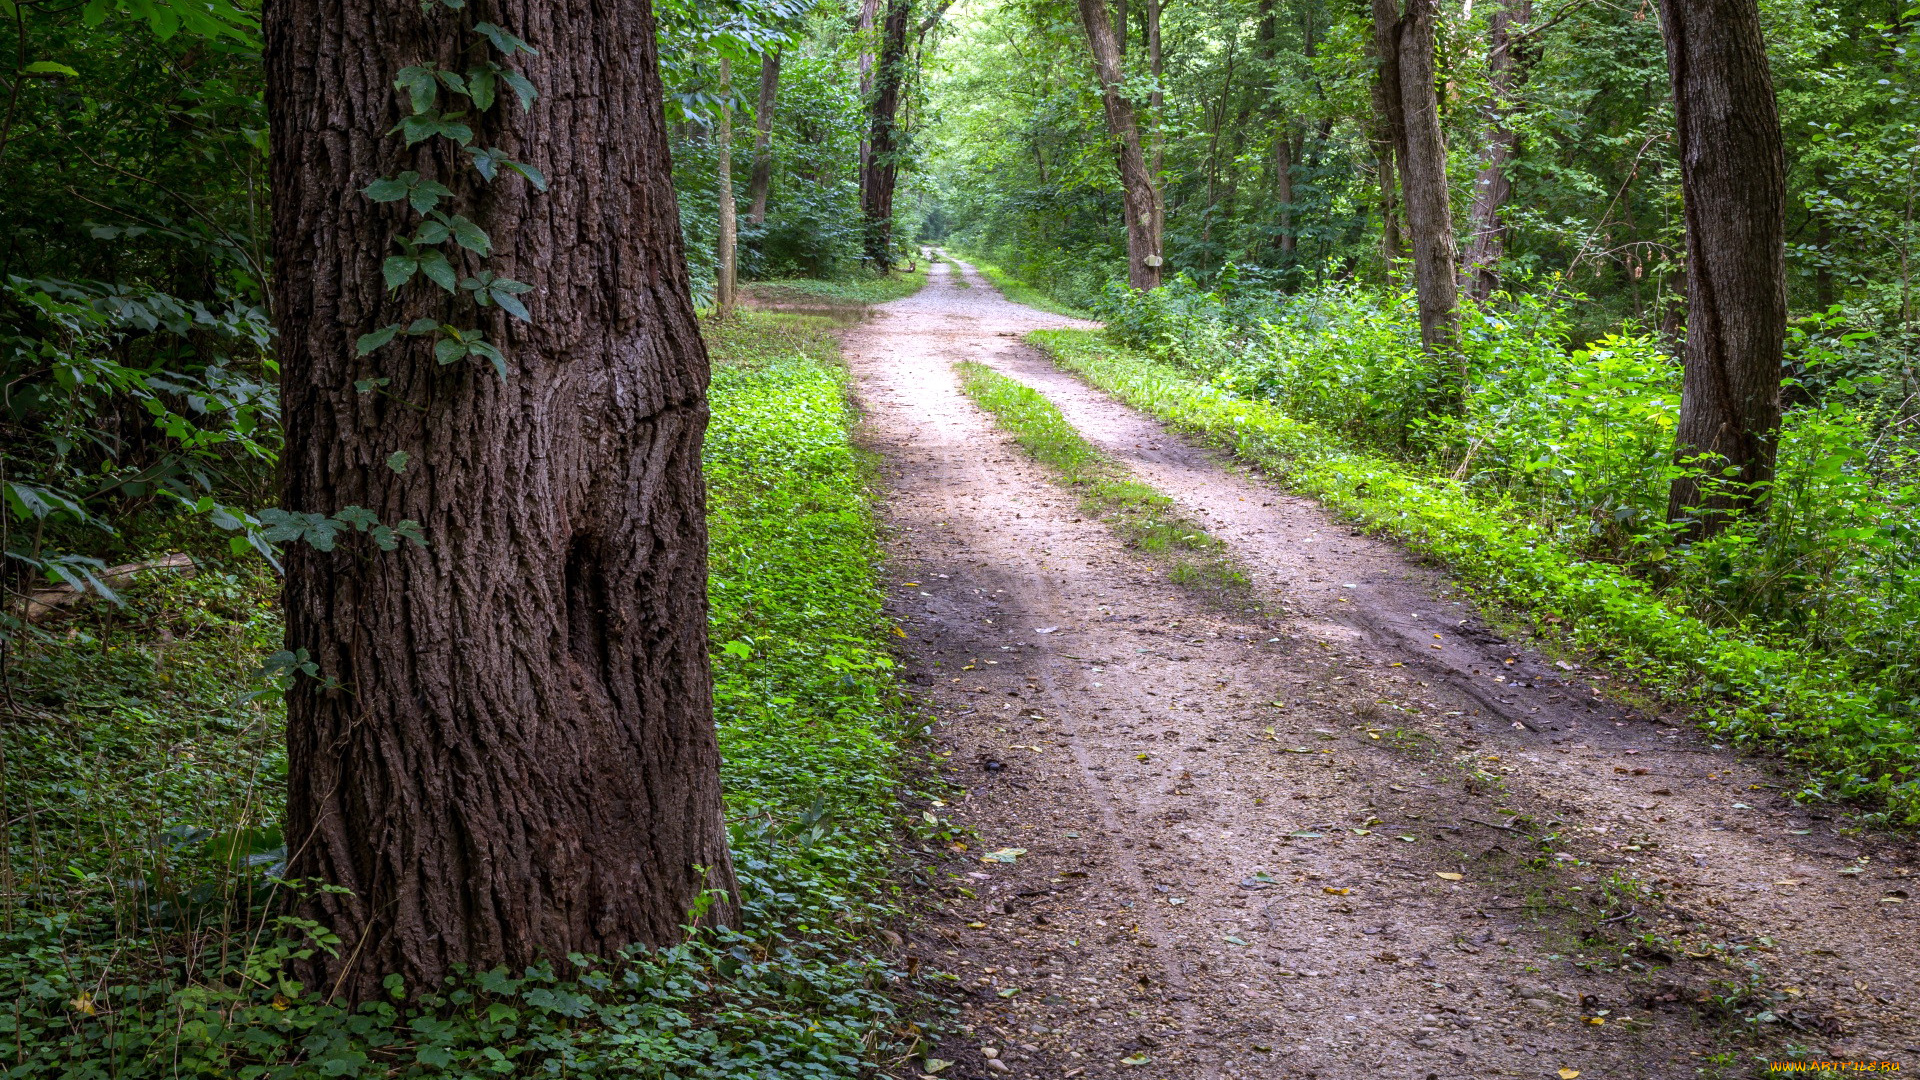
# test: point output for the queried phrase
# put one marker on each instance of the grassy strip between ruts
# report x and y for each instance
(1022, 293)
(1746, 690)
(864, 289)
(1141, 514)
(148, 758)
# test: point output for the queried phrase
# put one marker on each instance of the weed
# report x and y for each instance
(1144, 516)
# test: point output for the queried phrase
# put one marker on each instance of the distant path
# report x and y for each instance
(1226, 901)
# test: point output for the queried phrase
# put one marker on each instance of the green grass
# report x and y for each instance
(1144, 516)
(852, 292)
(134, 944)
(1022, 293)
(1744, 690)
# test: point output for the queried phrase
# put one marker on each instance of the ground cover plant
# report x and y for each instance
(1146, 517)
(143, 932)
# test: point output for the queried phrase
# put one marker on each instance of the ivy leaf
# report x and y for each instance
(397, 461)
(480, 87)
(399, 269)
(522, 89)
(427, 194)
(430, 233)
(392, 188)
(358, 517)
(447, 350)
(435, 266)
(410, 529)
(481, 348)
(420, 86)
(366, 343)
(283, 526)
(534, 176)
(502, 40)
(452, 81)
(470, 236)
(422, 326)
(368, 386)
(423, 126)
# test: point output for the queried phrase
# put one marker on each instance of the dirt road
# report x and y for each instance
(1339, 827)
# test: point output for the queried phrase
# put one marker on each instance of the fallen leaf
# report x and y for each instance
(1004, 855)
(1448, 877)
(934, 1065)
(1410, 839)
(1137, 1059)
(1596, 1020)
(1569, 1074)
(1331, 891)
(1045, 629)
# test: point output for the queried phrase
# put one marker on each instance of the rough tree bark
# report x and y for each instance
(882, 169)
(760, 182)
(1389, 130)
(1733, 184)
(1492, 187)
(1139, 199)
(869, 14)
(727, 243)
(518, 761)
(1405, 44)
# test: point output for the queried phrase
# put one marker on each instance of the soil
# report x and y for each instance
(1338, 825)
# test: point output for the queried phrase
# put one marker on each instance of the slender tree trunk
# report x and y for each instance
(517, 760)
(883, 135)
(1389, 129)
(1733, 183)
(1423, 177)
(761, 180)
(869, 15)
(1493, 186)
(727, 243)
(1283, 187)
(1157, 135)
(1139, 199)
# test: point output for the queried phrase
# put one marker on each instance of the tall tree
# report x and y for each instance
(1140, 200)
(727, 239)
(1404, 40)
(881, 170)
(1733, 188)
(760, 181)
(509, 751)
(1486, 232)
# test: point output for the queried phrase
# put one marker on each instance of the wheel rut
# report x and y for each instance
(1275, 837)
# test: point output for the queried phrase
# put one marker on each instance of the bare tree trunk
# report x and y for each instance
(1405, 42)
(883, 136)
(1283, 186)
(1389, 130)
(1157, 135)
(869, 15)
(517, 761)
(1733, 182)
(1139, 199)
(1492, 188)
(727, 243)
(760, 182)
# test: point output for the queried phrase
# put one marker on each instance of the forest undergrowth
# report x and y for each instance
(1537, 469)
(144, 928)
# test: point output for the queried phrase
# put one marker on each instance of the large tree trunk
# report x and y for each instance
(869, 15)
(1733, 183)
(883, 135)
(727, 245)
(517, 760)
(761, 180)
(1139, 199)
(1492, 188)
(1405, 44)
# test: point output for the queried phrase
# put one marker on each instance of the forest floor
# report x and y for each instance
(1332, 824)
